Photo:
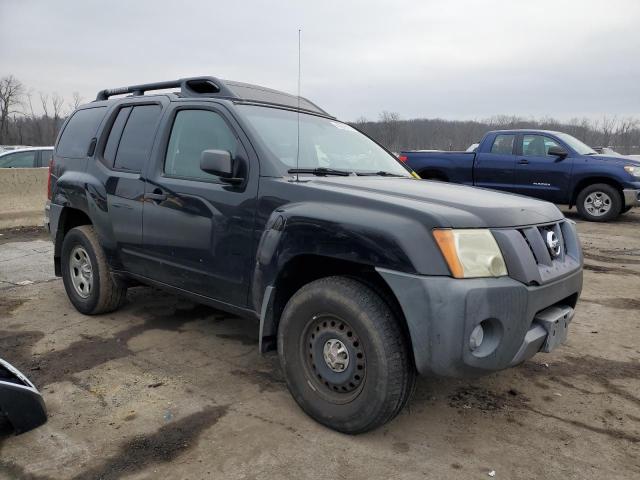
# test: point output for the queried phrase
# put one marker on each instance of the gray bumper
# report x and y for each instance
(631, 197)
(442, 312)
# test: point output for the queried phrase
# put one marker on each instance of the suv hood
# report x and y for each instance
(622, 161)
(448, 204)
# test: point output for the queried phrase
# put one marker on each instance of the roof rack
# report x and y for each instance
(215, 87)
(189, 87)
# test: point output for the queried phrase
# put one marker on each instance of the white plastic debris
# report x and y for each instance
(492, 473)
(24, 282)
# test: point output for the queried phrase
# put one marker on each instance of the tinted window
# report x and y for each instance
(537, 145)
(137, 138)
(503, 144)
(111, 147)
(193, 132)
(18, 160)
(77, 135)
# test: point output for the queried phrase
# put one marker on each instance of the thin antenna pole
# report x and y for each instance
(298, 140)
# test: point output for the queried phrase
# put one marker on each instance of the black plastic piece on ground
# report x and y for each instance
(20, 401)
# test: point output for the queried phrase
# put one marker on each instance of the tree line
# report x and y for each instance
(622, 134)
(19, 122)
(20, 125)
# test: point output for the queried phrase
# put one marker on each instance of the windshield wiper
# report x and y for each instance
(381, 173)
(321, 171)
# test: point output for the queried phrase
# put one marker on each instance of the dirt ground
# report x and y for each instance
(168, 389)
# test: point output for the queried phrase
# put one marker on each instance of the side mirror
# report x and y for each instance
(556, 151)
(219, 163)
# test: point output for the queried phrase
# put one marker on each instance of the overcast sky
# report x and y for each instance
(421, 58)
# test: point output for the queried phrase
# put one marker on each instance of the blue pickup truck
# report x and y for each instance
(548, 165)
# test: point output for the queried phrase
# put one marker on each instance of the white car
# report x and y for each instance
(30, 157)
(7, 148)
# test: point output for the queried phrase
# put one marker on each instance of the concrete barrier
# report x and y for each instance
(23, 193)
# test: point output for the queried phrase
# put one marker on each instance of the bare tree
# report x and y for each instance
(607, 129)
(624, 133)
(76, 100)
(389, 128)
(44, 102)
(56, 103)
(11, 91)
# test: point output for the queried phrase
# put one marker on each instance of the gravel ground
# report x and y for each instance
(165, 388)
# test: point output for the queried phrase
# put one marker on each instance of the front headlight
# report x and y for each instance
(470, 253)
(633, 170)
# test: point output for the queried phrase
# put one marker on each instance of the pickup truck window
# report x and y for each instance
(193, 132)
(537, 145)
(503, 144)
(137, 138)
(324, 143)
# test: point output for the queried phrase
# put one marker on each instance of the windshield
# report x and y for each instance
(324, 143)
(576, 144)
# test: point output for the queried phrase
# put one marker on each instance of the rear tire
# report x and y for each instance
(599, 203)
(345, 358)
(86, 274)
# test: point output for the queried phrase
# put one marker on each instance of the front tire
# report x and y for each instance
(86, 274)
(345, 358)
(599, 203)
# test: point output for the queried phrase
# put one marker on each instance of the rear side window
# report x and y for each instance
(77, 135)
(503, 144)
(114, 136)
(137, 138)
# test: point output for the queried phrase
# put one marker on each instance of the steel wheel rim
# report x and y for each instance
(339, 378)
(597, 203)
(81, 271)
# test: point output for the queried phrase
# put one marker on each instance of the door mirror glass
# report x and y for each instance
(217, 162)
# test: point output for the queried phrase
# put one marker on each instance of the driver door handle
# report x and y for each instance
(523, 161)
(156, 196)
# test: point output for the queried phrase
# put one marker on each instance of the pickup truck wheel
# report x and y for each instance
(599, 203)
(86, 274)
(345, 358)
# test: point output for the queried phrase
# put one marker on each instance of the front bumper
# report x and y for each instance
(631, 197)
(442, 312)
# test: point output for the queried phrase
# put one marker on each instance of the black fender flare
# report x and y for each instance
(349, 234)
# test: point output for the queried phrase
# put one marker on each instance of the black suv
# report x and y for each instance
(261, 204)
